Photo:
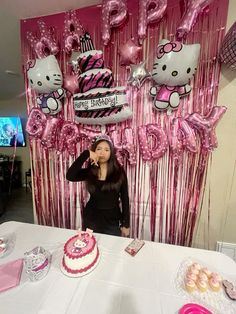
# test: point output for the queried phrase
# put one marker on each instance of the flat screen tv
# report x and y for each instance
(11, 132)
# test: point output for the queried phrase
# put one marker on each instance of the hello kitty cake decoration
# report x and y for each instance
(81, 254)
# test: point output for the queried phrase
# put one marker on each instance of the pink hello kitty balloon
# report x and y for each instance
(174, 66)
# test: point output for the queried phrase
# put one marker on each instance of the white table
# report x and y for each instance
(120, 283)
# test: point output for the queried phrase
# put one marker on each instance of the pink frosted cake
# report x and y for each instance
(81, 254)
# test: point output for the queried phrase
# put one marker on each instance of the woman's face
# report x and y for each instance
(103, 151)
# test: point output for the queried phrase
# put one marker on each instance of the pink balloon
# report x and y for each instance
(206, 126)
(68, 138)
(109, 19)
(35, 123)
(129, 52)
(50, 132)
(70, 83)
(88, 132)
(150, 11)
(72, 32)
(189, 136)
(193, 9)
(160, 141)
(175, 142)
(228, 48)
(124, 145)
(44, 45)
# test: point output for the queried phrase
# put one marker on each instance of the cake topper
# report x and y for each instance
(90, 232)
(86, 43)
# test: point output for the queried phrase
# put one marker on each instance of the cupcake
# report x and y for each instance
(197, 266)
(190, 285)
(191, 276)
(216, 276)
(193, 270)
(206, 271)
(202, 276)
(202, 285)
(214, 284)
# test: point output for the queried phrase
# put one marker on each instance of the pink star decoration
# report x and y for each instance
(129, 52)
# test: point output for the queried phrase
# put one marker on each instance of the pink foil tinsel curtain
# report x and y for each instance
(165, 195)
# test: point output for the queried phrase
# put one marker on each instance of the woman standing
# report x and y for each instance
(107, 184)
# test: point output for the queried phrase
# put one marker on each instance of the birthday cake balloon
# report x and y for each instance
(97, 102)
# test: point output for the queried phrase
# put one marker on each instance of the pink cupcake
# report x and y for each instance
(214, 284)
(202, 276)
(196, 265)
(206, 271)
(193, 270)
(216, 276)
(190, 285)
(191, 276)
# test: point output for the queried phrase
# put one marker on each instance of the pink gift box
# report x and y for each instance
(10, 274)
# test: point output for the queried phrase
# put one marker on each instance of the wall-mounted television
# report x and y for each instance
(11, 132)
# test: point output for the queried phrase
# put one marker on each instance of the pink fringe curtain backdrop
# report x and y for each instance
(165, 195)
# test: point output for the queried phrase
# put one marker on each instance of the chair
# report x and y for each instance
(28, 180)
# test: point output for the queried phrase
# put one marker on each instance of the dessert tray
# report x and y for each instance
(217, 302)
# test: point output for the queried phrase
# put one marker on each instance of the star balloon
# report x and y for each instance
(138, 74)
(129, 52)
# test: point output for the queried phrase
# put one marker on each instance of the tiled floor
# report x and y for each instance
(19, 207)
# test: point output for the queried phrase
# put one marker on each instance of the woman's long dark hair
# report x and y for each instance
(115, 172)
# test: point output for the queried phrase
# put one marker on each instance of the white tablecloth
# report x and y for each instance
(121, 284)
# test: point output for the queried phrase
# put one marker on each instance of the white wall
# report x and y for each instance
(221, 175)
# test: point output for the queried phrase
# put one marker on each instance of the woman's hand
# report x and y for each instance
(94, 158)
(124, 232)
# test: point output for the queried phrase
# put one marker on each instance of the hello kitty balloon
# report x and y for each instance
(173, 67)
(45, 78)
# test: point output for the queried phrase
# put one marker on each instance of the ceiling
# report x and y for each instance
(12, 11)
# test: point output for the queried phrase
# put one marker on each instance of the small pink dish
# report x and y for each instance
(192, 308)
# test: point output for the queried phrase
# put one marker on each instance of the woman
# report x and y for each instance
(107, 184)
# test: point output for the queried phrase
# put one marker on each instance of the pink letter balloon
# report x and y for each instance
(160, 141)
(68, 137)
(72, 32)
(109, 20)
(193, 9)
(46, 44)
(49, 136)
(35, 123)
(206, 126)
(150, 11)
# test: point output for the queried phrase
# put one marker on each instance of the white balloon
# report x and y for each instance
(177, 66)
(45, 75)
(174, 66)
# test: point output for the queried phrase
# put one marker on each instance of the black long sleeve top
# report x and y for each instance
(105, 201)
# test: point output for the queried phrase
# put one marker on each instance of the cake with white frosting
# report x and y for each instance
(81, 254)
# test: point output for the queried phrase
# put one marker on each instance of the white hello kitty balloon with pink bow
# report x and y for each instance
(45, 77)
(174, 66)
